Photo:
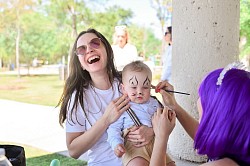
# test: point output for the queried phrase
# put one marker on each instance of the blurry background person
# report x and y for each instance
(124, 52)
(167, 56)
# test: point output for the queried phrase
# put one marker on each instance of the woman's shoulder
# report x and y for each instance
(221, 162)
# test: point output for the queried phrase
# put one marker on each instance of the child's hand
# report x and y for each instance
(119, 150)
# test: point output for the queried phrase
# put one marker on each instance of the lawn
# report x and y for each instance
(39, 89)
(38, 157)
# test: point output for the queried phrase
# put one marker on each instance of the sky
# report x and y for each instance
(144, 14)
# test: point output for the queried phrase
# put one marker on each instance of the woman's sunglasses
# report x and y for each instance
(94, 43)
(167, 33)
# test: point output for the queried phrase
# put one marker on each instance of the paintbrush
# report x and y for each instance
(171, 91)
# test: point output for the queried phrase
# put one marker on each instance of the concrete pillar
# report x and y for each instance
(205, 37)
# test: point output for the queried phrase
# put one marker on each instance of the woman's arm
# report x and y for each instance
(163, 124)
(221, 162)
(189, 123)
(79, 142)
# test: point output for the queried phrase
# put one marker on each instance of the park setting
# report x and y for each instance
(37, 47)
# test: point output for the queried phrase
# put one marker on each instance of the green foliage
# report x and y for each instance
(48, 28)
(7, 42)
(144, 40)
(245, 27)
(111, 17)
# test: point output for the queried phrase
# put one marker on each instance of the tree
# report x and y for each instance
(46, 29)
(164, 12)
(38, 38)
(15, 9)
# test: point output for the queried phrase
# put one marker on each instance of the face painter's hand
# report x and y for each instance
(163, 122)
(168, 98)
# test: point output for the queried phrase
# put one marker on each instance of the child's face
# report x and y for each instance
(137, 85)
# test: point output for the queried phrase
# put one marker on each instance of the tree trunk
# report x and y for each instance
(17, 46)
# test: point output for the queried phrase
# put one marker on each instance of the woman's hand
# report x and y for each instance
(163, 122)
(168, 98)
(116, 108)
(140, 136)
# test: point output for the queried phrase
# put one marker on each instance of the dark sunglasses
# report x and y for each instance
(94, 43)
(167, 33)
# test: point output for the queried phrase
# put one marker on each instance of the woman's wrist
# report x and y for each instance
(162, 137)
(177, 108)
(105, 120)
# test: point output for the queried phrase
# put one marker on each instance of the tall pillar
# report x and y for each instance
(205, 37)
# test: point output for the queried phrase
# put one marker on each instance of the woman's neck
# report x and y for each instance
(101, 81)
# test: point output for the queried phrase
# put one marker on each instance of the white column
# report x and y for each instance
(205, 37)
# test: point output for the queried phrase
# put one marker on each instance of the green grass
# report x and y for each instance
(39, 89)
(38, 157)
(43, 89)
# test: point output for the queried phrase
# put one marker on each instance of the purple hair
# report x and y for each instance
(224, 129)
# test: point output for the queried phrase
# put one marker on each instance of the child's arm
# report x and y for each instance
(115, 133)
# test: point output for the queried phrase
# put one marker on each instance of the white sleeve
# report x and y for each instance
(115, 133)
(75, 120)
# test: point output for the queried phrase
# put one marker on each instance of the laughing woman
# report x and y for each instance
(91, 101)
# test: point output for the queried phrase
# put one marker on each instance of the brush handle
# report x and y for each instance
(183, 93)
(177, 92)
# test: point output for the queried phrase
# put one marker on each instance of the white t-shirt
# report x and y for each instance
(125, 55)
(95, 103)
(167, 64)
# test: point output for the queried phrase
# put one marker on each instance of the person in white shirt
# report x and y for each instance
(167, 56)
(124, 52)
